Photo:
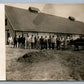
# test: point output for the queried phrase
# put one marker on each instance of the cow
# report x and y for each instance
(78, 42)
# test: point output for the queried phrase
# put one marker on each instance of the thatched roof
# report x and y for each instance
(25, 20)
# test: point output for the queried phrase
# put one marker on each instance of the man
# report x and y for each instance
(42, 42)
(58, 42)
(26, 42)
(67, 42)
(35, 43)
(32, 42)
(62, 40)
(45, 42)
(38, 42)
(49, 42)
(15, 41)
(23, 41)
(29, 42)
(53, 40)
(19, 42)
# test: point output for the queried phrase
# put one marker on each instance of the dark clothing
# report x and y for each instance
(49, 43)
(53, 45)
(32, 45)
(23, 42)
(15, 41)
(35, 44)
(38, 43)
(19, 40)
(58, 43)
(42, 43)
(45, 43)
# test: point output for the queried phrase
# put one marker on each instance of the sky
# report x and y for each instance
(63, 10)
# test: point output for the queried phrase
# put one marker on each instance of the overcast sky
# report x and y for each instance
(63, 10)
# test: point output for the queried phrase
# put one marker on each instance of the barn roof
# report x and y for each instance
(25, 20)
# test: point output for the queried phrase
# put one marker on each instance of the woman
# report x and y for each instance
(10, 41)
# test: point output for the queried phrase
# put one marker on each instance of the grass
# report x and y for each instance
(44, 65)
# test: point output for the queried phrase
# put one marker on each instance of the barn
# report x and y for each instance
(32, 21)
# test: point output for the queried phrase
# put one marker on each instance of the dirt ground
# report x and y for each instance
(58, 65)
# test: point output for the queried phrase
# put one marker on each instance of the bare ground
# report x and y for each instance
(59, 65)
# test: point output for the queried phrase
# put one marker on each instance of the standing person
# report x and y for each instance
(67, 42)
(42, 42)
(49, 42)
(26, 42)
(38, 42)
(35, 43)
(15, 41)
(62, 40)
(10, 41)
(29, 42)
(58, 42)
(19, 42)
(45, 42)
(32, 42)
(53, 42)
(23, 41)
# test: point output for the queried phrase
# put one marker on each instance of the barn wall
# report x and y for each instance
(32, 33)
(74, 36)
(10, 30)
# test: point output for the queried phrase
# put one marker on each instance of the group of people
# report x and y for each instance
(39, 42)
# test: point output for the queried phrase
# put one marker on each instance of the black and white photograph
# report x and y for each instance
(44, 42)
